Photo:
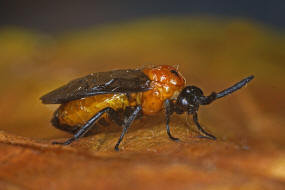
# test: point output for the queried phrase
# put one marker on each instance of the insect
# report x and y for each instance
(123, 95)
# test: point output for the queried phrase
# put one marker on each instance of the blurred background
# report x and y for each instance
(45, 44)
(65, 16)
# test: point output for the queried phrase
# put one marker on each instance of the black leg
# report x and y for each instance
(127, 124)
(115, 116)
(208, 135)
(168, 112)
(88, 125)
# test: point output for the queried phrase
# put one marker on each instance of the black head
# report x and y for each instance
(191, 97)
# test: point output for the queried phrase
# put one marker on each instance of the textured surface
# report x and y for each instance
(249, 152)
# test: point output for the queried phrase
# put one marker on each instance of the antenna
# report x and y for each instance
(235, 87)
(204, 100)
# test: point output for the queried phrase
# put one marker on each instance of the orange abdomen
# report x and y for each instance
(78, 112)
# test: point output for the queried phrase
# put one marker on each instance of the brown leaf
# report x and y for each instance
(249, 152)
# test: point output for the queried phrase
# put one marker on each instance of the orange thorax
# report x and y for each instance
(166, 84)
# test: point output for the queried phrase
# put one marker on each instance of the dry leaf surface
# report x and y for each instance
(249, 152)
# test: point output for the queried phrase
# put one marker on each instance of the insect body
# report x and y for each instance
(123, 95)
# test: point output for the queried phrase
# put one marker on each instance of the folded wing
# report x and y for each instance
(117, 81)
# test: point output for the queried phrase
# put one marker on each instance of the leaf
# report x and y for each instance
(248, 154)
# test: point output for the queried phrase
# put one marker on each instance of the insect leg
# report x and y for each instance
(127, 124)
(208, 135)
(169, 111)
(87, 126)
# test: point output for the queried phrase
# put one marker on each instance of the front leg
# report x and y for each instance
(169, 110)
(208, 135)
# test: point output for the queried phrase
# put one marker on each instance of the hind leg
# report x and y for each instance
(90, 123)
(113, 115)
(207, 135)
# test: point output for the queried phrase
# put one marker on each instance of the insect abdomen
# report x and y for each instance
(78, 112)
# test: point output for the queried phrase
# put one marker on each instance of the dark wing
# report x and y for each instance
(117, 81)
